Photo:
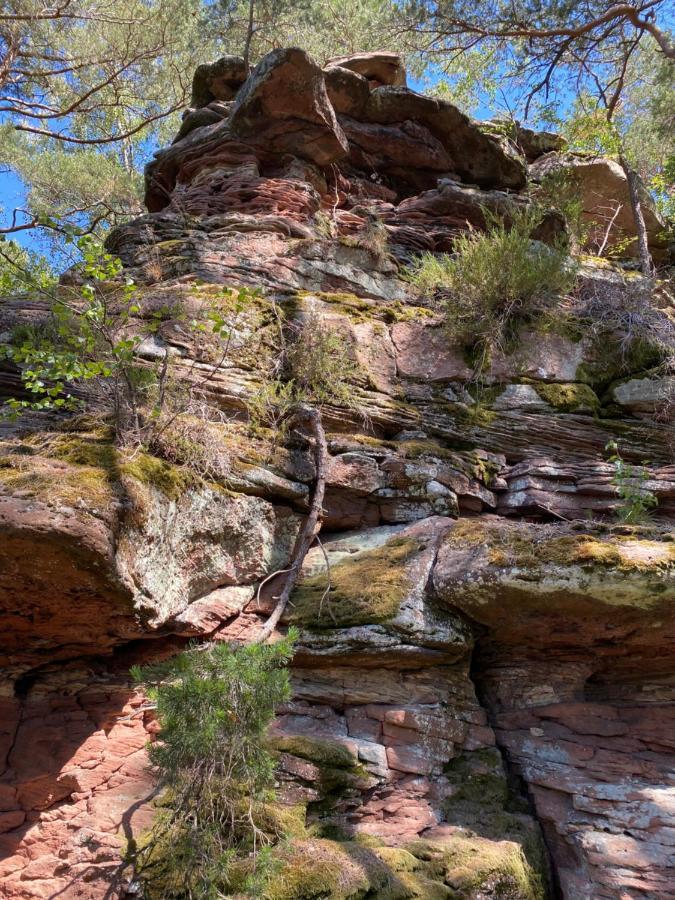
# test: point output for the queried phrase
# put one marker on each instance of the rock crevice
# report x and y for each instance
(489, 623)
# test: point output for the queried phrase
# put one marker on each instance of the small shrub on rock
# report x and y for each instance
(215, 706)
(630, 483)
(495, 282)
(629, 325)
(315, 366)
(320, 365)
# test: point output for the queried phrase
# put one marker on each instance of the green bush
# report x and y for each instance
(630, 483)
(214, 706)
(561, 190)
(320, 364)
(494, 283)
(315, 366)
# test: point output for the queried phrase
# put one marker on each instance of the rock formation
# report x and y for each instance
(486, 692)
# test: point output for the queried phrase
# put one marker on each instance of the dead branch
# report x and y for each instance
(640, 18)
(310, 417)
(608, 230)
(329, 585)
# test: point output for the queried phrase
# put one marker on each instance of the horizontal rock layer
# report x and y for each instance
(461, 681)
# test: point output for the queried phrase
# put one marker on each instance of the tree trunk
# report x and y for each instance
(309, 530)
(249, 33)
(646, 264)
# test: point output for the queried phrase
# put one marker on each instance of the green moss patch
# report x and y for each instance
(71, 467)
(525, 547)
(473, 864)
(421, 448)
(569, 397)
(330, 869)
(360, 310)
(478, 780)
(365, 589)
(171, 480)
(36, 478)
(606, 365)
(462, 866)
(63, 468)
(321, 752)
(482, 800)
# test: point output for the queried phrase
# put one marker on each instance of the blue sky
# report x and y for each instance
(12, 195)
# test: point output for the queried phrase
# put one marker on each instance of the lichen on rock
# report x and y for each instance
(484, 652)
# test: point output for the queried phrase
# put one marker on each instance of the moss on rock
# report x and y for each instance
(170, 479)
(606, 365)
(361, 310)
(330, 869)
(69, 467)
(365, 589)
(61, 468)
(569, 397)
(321, 752)
(535, 548)
(473, 866)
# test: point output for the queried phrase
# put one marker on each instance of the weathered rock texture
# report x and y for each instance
(493, 657)
(606, 205)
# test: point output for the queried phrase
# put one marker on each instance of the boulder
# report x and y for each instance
(536, 143)
(476, 157)
(437, 213)
(347, 91)
(284, 105)
(218, 80)
(603, 188)
(532, 144)
(646, 397)
(380, 67)
(525, 582)
(407, 151)
(198, 118)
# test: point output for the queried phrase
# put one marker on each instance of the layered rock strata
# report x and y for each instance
(492, 661)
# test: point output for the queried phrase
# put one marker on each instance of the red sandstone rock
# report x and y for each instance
(379, 67)
(571, 657)
(347, 91)
(284, 103)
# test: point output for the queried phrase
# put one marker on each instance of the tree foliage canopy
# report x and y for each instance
(89, 88)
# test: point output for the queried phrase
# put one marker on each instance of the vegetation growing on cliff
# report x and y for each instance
(630, 482)
(629, 326)
(366, 589)
(213, 761)
(88, 349)
(495, 282)
(537, 548)
(313, 364)
(85, 338)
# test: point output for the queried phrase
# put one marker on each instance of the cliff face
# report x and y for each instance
(488, 687)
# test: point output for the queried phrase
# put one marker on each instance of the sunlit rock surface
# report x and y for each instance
(487, 690)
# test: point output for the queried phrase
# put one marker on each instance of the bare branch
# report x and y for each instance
(66, 138)
(312, 417)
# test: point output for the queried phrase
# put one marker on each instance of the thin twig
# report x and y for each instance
(329, 586)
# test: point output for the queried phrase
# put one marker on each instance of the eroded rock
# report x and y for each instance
(447, 650)
(607, 209)
(284, 103)
(380, 67)
(218, 81)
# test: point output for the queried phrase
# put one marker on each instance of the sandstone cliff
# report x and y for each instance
(488, 691)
